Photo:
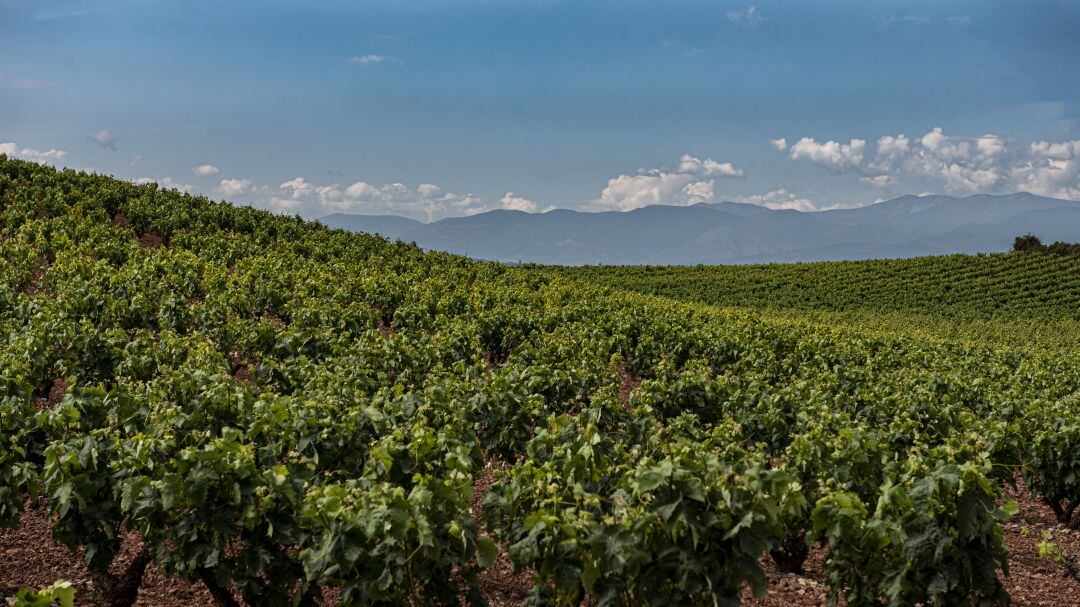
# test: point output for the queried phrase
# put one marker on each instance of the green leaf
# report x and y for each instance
(485, 551)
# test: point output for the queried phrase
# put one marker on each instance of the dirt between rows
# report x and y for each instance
(29, 558)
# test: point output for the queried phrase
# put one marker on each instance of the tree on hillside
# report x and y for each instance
(1027, 242)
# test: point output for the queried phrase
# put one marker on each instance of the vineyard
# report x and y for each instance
(1016, 300)
(1035, 284)
(284, 414)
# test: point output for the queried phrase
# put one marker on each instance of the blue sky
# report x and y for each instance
(433, 109)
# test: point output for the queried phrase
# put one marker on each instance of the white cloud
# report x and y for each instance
(49, 156)
(1050, 169)
(749, 16)
(235, 187)
(104, 139)
(780, 198)
(881, 182)
(298, 188)
(205, 170)
(628, 192)
(709, 167)
(516, 203)
(690, 183)
(428, 190)
(780, 144)
(891, 148)
(367, 59)
(835, 156)
(362, 191)
(962, 165)
(166, 183)
(427, 202)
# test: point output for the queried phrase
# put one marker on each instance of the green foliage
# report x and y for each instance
(1052, 459)
(680, 519)
(1029, 242)
(1025, 243)
(965, 286)
(60, 593)
(279, 409)
(934, 538)
(1029, 301)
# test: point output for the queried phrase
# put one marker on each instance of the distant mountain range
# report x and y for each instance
(729, 232)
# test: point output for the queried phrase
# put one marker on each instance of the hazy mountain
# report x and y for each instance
(390, 226)
(729, 232)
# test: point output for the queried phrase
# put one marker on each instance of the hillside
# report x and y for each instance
(732, 233)
(968, 286)
(1028, 301)
(213, 405)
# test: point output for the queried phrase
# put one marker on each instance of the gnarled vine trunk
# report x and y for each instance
(111, 590)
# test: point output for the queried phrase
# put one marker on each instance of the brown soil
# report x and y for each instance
(627, 384)
(502, 586)
(150, 240)
(240, 367)
(40, 266)
(1033, 579)
(120, 221)
(56, 394)
(29, 558)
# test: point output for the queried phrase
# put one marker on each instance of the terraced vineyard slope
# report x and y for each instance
(283, 414)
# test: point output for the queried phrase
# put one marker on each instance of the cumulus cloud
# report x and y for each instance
(962, 165)
(205, 170)
(692, 165)
(780, 144)
(367, 59)
(235, 187)
(512, 202)
(50, 156)
(881, 182)
(690, 183)
(835, 156)
(1050, 169)
(104, 139)
(427, 202)
(749, 16)
(780, 198)
(167, 183)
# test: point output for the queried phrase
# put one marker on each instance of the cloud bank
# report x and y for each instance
(961, 165)
(50, 156)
